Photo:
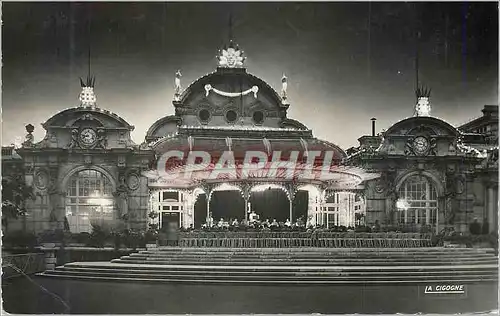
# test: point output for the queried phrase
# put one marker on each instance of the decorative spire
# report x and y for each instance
(87, 96)
(231, 56)
(230, 27)
(423, 106)
(177, 94)
(284, 86)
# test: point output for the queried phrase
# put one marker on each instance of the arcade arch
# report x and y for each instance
(89, 200)
(270, 201)
(226, 202)
(417, 201)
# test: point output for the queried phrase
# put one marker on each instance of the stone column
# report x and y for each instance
(291, 196)
(49, 250)
(207, 188)
(208, 207)
(390, 213)
(492, 221)
(191, 202)
(246, 191)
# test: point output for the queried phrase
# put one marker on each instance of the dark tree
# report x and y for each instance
(15, 192)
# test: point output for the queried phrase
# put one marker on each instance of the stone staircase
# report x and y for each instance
(292, 266)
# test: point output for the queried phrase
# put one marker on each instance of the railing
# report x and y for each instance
(303, 239)
(16, 265)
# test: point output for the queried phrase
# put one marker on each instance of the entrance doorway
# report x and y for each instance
(169, 217)
(227, 205)
(270, 203)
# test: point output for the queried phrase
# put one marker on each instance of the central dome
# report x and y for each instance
(232, 82)
(230, 97)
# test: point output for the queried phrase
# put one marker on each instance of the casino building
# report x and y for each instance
(87, 169)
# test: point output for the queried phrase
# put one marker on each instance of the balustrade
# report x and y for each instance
(303, 239)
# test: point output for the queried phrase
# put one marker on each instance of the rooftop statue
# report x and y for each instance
(178, 86)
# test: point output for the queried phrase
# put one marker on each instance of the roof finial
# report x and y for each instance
(417, 81)
(230, 27)
(231, 56)
(89, 57)
(423, 106)
(87, 96)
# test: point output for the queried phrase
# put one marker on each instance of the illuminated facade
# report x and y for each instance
(432, 173)
(230, 110)
(87, 170)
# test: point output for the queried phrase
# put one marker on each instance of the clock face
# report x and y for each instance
(420, 145)
(88, 137)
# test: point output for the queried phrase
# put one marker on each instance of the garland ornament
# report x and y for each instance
(209, 88)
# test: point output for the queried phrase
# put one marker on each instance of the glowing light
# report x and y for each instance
(265, 187)
(231, 58)
(87, 97)
(18, 142)
(97, 199)
(402, 204)
(423, 107)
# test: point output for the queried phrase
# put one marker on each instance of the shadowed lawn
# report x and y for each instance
(22, 296)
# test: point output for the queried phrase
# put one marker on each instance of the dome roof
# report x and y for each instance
(235, 80)
(438, 126)
(104, 118)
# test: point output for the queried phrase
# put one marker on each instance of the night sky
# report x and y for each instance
(346, 62)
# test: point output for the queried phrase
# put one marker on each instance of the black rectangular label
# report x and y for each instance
(452, 290)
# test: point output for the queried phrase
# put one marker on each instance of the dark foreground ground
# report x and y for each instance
(22, 296)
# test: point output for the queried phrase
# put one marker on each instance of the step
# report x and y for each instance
(294, 281)
(319, 254)
(313, 249)
(108, 265)
(452, 274)
(323, 254)
(292, 257)
(450, 277)
(202, 261)
(291, 266)
(307, 262)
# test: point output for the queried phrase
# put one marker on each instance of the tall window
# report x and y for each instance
(419, 198)
(89, 200)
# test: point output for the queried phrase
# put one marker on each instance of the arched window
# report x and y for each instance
(418, 201)
(89, 200)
